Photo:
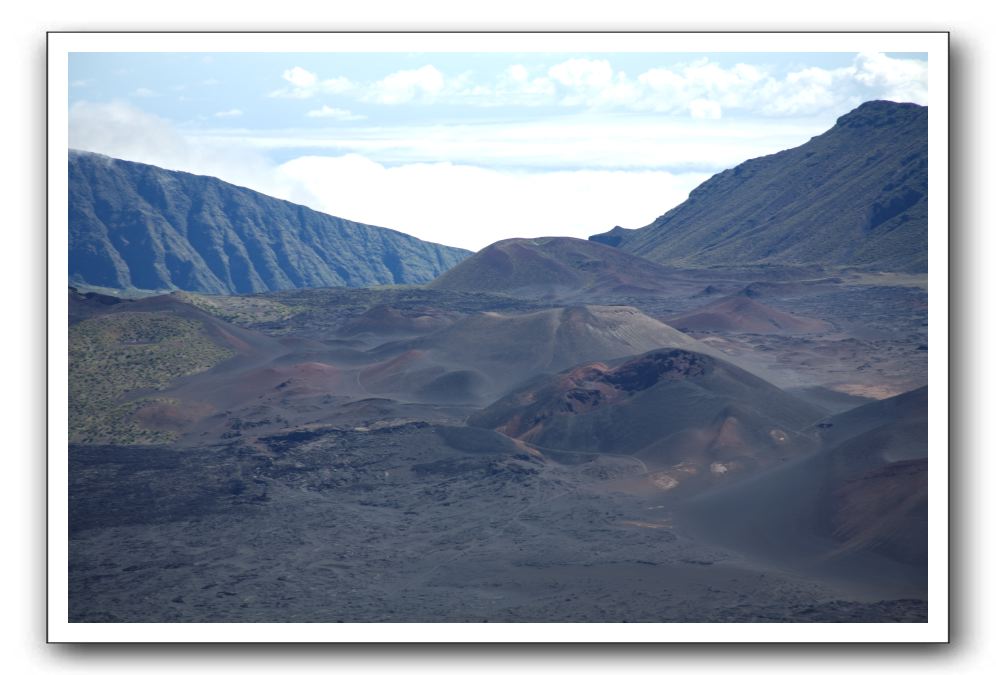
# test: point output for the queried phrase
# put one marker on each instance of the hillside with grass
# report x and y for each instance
(117, 362)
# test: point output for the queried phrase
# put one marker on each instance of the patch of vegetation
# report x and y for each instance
(320, 311)
(247, 311)
(114, 355)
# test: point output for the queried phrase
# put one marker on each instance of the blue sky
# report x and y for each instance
(466, 149)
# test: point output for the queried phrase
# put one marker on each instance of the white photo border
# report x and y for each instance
(934, 44)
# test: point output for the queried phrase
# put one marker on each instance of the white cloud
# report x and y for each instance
(299, 77)
(120, 130)
(404, 86)
(575, 82)
(900, 79)
(517, 73)
(514, 86)
(582, 73)
(329, 112)
(305, 84)
(234, 112)
(700, 89)
(703, 109)
(806, 91)
(123, 131)
(472, 207)
(292, 93)
(143, 92)
(80, 83)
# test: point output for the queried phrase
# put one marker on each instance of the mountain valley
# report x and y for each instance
(660, 425)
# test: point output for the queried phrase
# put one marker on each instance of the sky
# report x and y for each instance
(469, 148)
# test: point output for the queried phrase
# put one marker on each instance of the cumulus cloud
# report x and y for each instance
(329, 112)
(404, 86)
(804, 91)
(306, 84)
(515, 85)
(583, 73)
(899, 79)
(700, 89)
(299, 77)
(234, 112)
(593, 84)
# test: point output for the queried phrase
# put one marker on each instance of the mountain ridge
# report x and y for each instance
(854, 196)
(134, 225)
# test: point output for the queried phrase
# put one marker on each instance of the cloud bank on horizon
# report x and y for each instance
(466, 149)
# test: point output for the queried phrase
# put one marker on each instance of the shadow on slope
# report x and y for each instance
(856, 509)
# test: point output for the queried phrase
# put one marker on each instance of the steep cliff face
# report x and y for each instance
(134, 225)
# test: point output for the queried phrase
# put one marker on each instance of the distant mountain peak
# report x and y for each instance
(880, 114)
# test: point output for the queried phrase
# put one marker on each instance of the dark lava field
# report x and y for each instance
(687, 447)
